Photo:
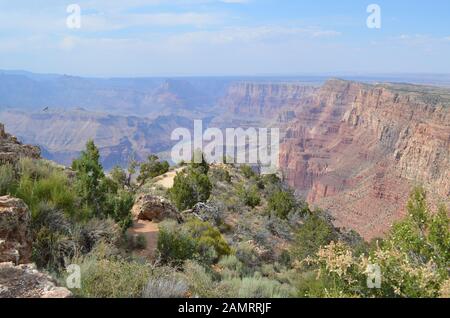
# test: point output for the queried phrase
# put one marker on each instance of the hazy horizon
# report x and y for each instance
(161, 38)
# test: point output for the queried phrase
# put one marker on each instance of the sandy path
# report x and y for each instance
(150, 229)
(166, 180)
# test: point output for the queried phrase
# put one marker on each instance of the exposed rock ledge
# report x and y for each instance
(22, 281)
(15, 237)
(12, 149)
(25, 281)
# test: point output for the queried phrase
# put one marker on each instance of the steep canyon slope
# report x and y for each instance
(357, 149)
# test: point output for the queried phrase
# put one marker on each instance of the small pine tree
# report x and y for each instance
(281, 203)
(89, 174)
(119, 176)
(190, 187)
(152, 168)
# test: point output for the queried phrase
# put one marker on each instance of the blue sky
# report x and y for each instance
(225, 37)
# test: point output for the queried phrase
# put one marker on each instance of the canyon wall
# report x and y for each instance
(357, 150)
(62, 135)
(264, 99)
(354, 149)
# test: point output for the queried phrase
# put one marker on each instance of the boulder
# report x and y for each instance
(154, 208)
(205, 212)
(25, 281)
(15, 236)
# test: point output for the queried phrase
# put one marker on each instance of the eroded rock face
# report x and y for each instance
(154, 208)
(204, 212)
(11, 149)
(265, 98)
(25, 281)
(15, 237)
(357, 150)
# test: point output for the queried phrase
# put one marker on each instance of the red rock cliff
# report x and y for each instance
(357, 150)
(352, 148)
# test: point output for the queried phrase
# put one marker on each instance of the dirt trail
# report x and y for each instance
(166, 180)
(150, 229)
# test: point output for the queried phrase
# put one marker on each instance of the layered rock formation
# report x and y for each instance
(265, 99)
(63, 134)
(11, 149)
(352, 148)
(15, 237)
(24, 280)
(357, 150)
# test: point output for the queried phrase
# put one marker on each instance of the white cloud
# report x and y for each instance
(235, 1)
(250, 35)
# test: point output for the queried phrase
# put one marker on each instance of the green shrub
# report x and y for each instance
(207, 237)
(97, 231)
(34, 168)
(310, 286)
(257, 287)
(54, 188)
(190, 187)
(412, 259)
(111, 278)
(175, 245)
(119, 176)
(7, 179)
(231, 267)
(53, 243)
(200, 282)
(271, 179)
(195, 240)
(250, 196)
(220, 174)
(281, 203)
(52, 249)
(200, 167)
(152, 168)
(314, 233)
(246, 253)
(89, 176)
(118, 207)
(247, 171)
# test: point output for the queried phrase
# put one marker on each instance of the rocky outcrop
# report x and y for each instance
(15, 237)
(205, 212)
(25, 281)
(153, 208)
(11, 149)
(357, 149)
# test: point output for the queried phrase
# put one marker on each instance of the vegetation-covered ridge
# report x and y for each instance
(238, 234)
